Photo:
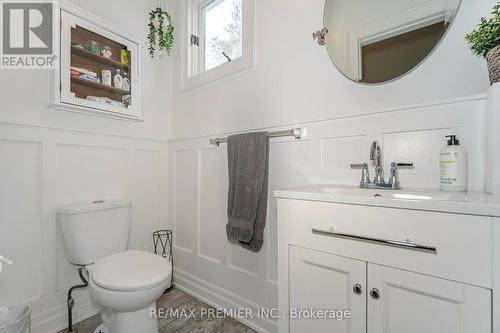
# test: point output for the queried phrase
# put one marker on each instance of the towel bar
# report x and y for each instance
(295, 132)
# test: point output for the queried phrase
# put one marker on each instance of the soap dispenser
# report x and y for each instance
(454, 166)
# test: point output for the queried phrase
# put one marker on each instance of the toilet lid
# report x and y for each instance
(131, 270)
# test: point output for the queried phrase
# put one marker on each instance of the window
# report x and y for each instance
(219, 40)
(222, 32)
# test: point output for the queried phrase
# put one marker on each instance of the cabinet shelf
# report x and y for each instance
(95, 57)
(98, 85)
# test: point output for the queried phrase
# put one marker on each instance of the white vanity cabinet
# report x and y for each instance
(368, 261)
(414, 303)
(388, 299)
(324, 281)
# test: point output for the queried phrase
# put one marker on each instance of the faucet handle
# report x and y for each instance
(394, 174)
(365, 173)
(358, 165)
(403, 165)
(394, 177)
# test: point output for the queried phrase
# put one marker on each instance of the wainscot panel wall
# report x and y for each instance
(293, 83)
(42, 169)
(51, 158)
(227, 275)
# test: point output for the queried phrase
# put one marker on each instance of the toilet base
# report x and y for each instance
(129, 322)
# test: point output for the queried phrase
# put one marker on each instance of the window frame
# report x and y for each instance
(192, 57)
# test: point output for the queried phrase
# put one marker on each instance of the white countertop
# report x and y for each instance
(472, 203)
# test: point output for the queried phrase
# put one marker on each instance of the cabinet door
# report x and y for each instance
(401, 301)
(320, 281)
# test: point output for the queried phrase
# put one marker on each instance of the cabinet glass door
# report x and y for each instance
(401, 301)
(95, 61)
(98, 68)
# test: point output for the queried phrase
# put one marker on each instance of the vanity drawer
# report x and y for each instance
(393, 237)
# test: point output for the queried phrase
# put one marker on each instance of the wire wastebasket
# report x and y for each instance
(15, 319)
(162, 242)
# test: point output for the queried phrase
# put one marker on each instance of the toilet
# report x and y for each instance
(125, 283)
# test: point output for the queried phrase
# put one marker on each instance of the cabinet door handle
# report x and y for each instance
(375, 293)
(386, 242)
(357, 289)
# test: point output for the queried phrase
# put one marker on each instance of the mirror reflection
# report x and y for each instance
(377, 41)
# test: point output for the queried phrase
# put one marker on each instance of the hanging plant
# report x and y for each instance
(161, 31)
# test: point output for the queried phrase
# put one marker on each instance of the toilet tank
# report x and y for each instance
(94, 230)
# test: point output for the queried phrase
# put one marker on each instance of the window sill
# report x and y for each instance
(223, 71)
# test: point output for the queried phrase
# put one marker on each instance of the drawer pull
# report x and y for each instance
(404, 245)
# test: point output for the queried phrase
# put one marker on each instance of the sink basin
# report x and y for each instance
(473, 203)
(407, 194)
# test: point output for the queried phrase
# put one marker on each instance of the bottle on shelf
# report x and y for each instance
(125, 82)
(118, 80)
(124, 56)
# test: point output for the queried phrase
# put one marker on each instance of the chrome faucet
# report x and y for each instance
(378, 179)
(376, 157)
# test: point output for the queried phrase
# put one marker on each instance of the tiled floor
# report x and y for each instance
(176, 299)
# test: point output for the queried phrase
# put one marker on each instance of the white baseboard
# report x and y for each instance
(55, 318)
(221, 298)
(52, 319)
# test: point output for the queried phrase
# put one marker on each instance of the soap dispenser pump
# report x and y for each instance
(454, 166)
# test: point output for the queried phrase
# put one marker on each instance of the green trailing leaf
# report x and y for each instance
(161, 31)
(487, 34)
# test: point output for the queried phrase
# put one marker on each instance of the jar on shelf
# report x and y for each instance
(93, 46)
(106, 52)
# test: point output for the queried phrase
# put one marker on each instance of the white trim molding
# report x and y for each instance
(220, 298)
(191, 75)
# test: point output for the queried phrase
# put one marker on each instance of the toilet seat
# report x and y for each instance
(131, 271)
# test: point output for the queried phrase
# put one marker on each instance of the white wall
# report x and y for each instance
(28, 91)
(227, 275)
(294, 83)
(49, 158)
(53, 157)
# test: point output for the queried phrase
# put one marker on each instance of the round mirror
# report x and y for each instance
(374, 41)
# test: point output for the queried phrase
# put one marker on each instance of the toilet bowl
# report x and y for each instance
(126, 286)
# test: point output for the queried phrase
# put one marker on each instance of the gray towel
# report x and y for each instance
(248, 163)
